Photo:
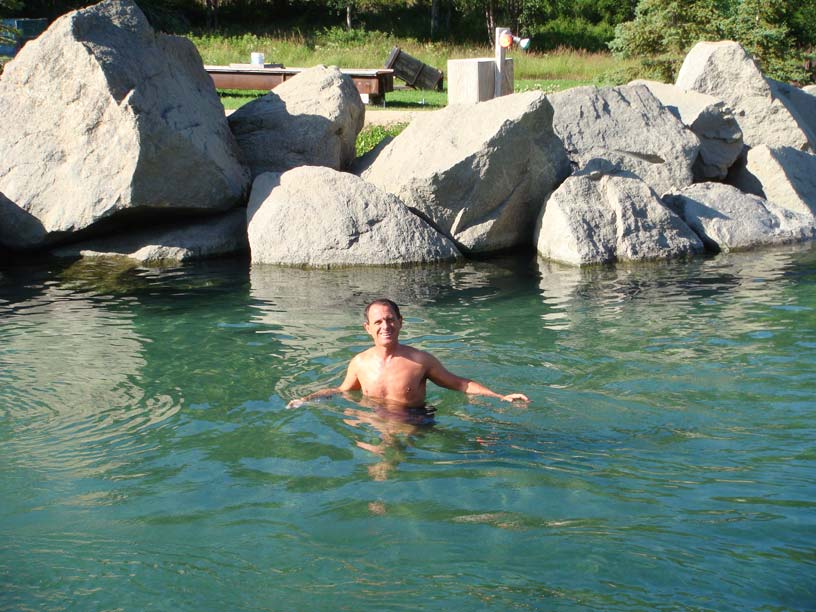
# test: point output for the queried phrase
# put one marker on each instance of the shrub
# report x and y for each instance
(573, 33)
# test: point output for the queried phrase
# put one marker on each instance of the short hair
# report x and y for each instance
(382, 302)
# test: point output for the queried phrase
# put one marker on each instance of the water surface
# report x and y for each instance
(666, 460)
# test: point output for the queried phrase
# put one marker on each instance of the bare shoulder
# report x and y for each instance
(360, 358)
(422, 357)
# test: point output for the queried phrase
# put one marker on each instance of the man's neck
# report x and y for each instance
(384, 352)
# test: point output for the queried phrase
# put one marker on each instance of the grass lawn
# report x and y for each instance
(550, 72)
(409, 99)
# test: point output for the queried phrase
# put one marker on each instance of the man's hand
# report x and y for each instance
(515, 397)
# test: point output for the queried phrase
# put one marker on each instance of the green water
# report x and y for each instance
(667, 460)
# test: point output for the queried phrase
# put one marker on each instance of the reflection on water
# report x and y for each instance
(395, 427)
(666, 459)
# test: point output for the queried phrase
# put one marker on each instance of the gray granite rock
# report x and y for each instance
(479, 173)
(710, 120)
(215, 236)
(783, 175)
(727, 219)
(598, 218)
(319, 217)
(631, 128)
(766, 116)
(311, 119)
(104, 121)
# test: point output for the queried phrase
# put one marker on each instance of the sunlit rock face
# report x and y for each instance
(311, 119)
(727, 219)
(767, 111)
(783, 175)
(105, 121)
(479, 173)
(629, 127)
(710, 119)
(315, 216)
(604, 217)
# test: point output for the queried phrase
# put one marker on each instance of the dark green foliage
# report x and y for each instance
(668, 27)
(8, 8)
(572, 33)
(778, 34)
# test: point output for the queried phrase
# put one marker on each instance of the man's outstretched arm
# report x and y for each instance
(442, 377)
(350, 383)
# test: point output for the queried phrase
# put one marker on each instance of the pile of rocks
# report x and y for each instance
(113, 141)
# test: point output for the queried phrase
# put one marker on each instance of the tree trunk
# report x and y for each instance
(435, 19)
(348, 16)
(514, 10)
(212, 13)
(490, 20)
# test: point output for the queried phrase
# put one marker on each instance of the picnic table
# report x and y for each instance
(372, 83)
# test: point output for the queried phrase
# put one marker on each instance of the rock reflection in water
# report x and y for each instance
(735, 281)
(321, 306)
(70, 371)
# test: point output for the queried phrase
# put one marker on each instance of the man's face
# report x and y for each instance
(383, 325)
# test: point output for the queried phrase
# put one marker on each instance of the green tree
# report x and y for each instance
(8, 36)
(667, 27)
(779, 35)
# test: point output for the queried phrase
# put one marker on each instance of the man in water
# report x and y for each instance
(394, 373)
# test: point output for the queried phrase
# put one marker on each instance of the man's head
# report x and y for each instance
(383, 322)
(382, 302)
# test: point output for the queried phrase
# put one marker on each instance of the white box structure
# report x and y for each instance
(474, 80)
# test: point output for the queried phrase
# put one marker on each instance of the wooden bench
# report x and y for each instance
(372, 84)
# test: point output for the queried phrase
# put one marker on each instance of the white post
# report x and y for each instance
(500, 57)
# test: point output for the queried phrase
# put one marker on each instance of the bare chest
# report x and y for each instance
(396, 379)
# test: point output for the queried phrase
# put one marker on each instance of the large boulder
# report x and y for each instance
(801, 105)
(214, 236)
(478, 172)
(629, 127)
(783, 175)
(727, 219)
(319, 217)
(310, 120)
(765, 113)
(710, 120)
(104, 120)
(602, 216)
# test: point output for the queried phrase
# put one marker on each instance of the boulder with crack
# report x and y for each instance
(767, 113)
(727, 219)
(782, 175)
(710, 119)
(479, 173)
(629, 127)
(608, 216)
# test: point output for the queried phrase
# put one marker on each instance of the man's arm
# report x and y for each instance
(350, 383)
(442, 377)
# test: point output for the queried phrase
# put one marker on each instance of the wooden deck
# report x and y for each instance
(372, 84)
